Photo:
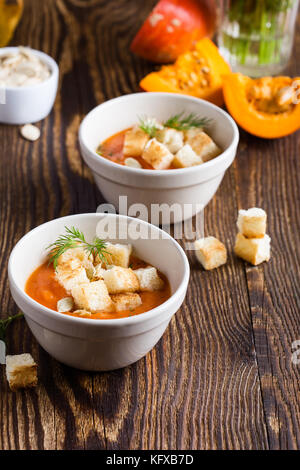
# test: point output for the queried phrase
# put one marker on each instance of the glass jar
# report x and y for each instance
(256, 36)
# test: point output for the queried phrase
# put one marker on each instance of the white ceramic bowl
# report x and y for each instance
(191, 186)
(31, 103)
(98, 344)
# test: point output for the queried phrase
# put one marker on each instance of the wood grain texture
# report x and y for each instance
(221, 377)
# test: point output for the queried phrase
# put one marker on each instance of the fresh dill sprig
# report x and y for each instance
(184, 122)
(149, 126)
(73, 238)
(4, 324)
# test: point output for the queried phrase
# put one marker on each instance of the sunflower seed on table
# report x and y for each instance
(30, 132)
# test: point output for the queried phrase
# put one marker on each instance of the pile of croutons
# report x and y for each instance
(95, 285)
(252, 243)
(181, 149)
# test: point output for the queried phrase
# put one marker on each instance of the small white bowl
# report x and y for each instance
(29, 104)
(193, 186)
(98, 344)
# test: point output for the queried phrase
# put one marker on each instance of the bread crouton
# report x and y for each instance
(253, 250)
(202, 145)
(119, 280)
(65, 305)
(126, 301)
(71, 274)
(83, 313)
(157, 155)
(21, 371)
(117, 254)
(132, 163)
(98, 272)
(186, 157)
(92, 297)
(135, 142)
(171, 138)
(76, 255)
(210, 252)
(252, 223)
(149, 279)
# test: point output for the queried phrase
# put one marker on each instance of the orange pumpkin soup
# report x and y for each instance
(43, 287)
(112, 149)
(179, 142)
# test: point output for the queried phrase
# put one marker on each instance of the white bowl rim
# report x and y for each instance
(135, 319)
(47, 59)
(175, 171)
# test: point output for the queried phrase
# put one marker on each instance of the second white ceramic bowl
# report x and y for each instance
(193, 187)
(98, 344)
(29, 104)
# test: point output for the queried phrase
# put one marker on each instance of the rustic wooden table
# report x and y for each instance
(221, 377)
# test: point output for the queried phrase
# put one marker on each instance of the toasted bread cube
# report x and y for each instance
(92, 297)
(98, 272)
(135, 142)
(132, 163)
(253, 250)
(65, 305)
(149, 279)
(83, 313)
(71, 274)
(119, 280)
(202, 144)
(117, 255)
(157, 155)
(171, 138)
(210, 252)
(76, 255)
(126, 301)
(252, 223)
(186, 157)
(21, 371)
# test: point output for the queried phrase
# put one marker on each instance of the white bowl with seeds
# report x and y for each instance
(28, 85)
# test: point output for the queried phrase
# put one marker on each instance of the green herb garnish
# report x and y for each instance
(4, 324)
(74, 239)
(149, 126)
(184, 122)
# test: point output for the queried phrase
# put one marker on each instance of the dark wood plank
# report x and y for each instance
(268, 172)
(221, 377)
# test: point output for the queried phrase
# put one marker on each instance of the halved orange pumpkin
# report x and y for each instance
(197, 72)
(267, 107)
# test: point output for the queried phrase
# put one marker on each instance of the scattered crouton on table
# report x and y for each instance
(252, 222)
(210, 252)
(253, 250)
(21, 371)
